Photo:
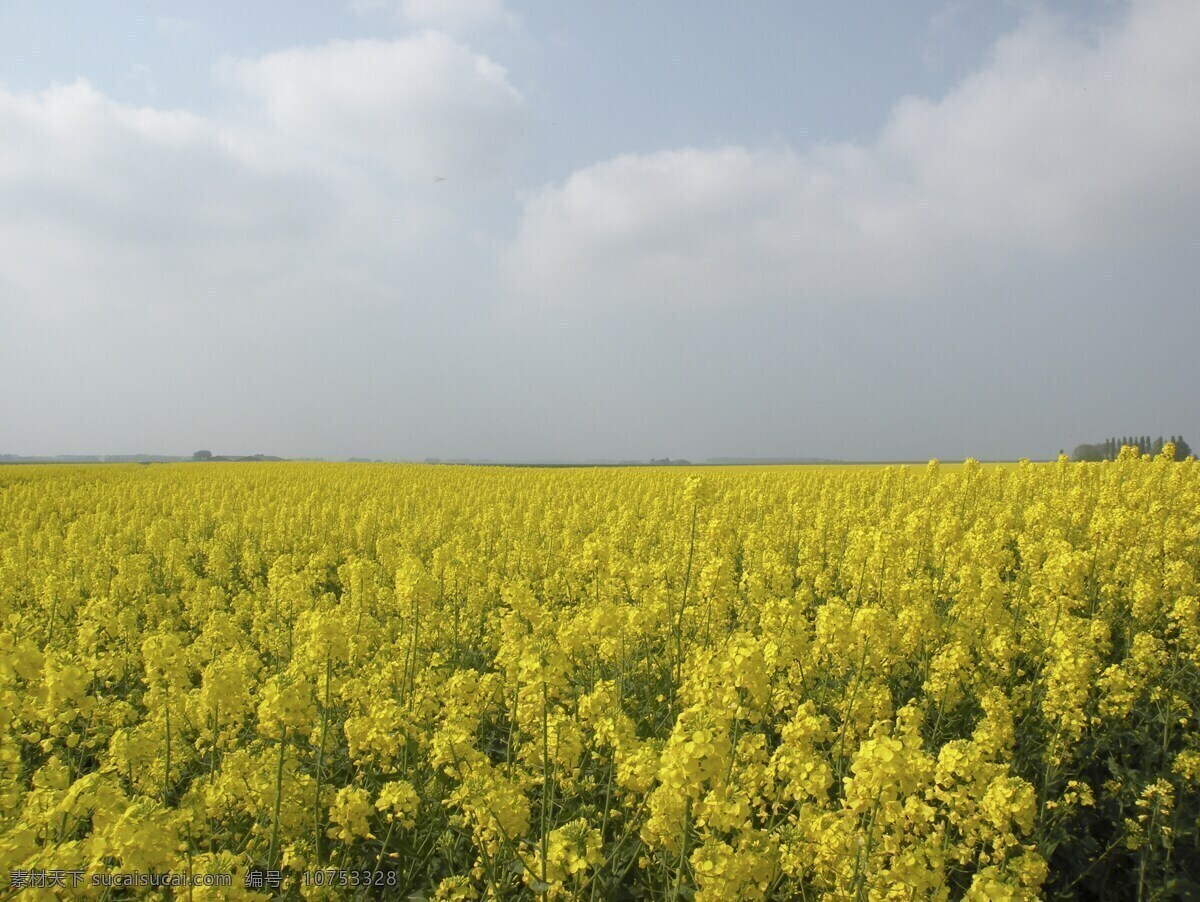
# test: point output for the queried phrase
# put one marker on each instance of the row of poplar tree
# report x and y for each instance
(1111, 447)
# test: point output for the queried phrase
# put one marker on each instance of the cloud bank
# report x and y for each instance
(1060, 145)
(265, 274)
(324, 157)
(418, 106)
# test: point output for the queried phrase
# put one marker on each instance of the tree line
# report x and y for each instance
(1111, 447)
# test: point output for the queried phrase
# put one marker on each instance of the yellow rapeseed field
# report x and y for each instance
(900, 682)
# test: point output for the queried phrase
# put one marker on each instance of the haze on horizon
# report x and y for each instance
(517, 231)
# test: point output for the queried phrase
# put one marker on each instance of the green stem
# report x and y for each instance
(687, 828)
(167, 771)
(278, 800)
(386, 839)
(321, 767)
(545, 775)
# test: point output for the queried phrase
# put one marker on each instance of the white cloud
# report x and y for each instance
(419, 106)
(102, 197)
(320, 170)
(447, 15)
(1059, 145)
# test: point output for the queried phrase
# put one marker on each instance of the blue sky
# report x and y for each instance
(408, 228)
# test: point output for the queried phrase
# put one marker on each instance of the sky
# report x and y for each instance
(404, 229)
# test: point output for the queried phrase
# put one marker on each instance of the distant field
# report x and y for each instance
(844, 681)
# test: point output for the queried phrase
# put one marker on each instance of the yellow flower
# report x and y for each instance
(285, 705)
(399, 802)
(350, 814)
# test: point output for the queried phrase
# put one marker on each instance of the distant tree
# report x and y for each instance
(202, 455)
(1088, 452)
(1182, 450)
